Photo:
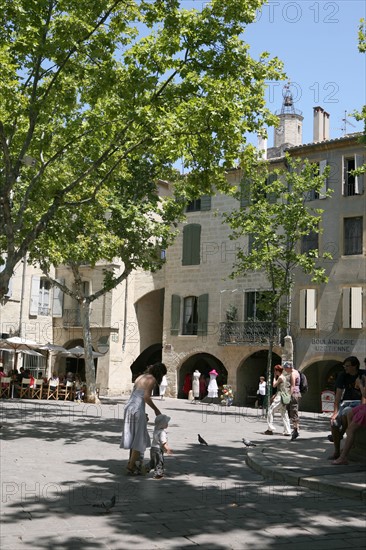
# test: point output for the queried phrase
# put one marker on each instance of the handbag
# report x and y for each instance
(285, 397)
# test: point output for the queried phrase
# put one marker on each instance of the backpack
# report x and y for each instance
(304, 386)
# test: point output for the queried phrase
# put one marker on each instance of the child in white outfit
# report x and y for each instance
(159, 445)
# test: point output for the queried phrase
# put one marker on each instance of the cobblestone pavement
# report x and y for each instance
(60, 459)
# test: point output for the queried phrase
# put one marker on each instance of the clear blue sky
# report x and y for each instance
(317, 42)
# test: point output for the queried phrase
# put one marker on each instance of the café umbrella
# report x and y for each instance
(17, 344)
(51, 348)
(78, 352)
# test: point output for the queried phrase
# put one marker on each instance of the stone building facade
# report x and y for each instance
(192, 315)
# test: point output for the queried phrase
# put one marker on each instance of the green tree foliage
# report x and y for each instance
(99, 100)
(91, 90)
(278, 214)
(362, 36)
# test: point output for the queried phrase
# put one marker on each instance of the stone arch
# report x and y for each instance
(73, 364)
(149, 356)
(248, 373)
(321, 375)
(204, 362)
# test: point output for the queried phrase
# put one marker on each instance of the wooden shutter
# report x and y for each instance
(323, 190)
(205, 203)
(58, 300)
(175, 315)
(202, 311)
(359, 178)
(191, 244)
(356, 307)
(245, 185)
(308, 312)
(34, 295)
(352, 307)
(311, 308)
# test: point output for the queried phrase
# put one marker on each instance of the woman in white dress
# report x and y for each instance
(134, 430)
(196, 384)
(212, 388)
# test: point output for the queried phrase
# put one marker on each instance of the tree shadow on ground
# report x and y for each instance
(209, 495)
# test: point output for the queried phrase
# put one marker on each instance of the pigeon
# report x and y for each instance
(248, 443)
(107, 505)
(201, 440)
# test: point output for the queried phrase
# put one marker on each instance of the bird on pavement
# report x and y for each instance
(201, 440)
(107, 505)
(248, 443)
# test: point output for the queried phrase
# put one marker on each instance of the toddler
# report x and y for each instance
(159, 445)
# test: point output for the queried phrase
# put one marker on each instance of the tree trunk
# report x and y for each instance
(91, 390)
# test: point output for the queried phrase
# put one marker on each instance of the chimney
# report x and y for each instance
(262, 146)
(321, 125)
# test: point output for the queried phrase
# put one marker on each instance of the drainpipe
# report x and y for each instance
(125, 317)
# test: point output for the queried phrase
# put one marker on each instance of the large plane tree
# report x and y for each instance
(95, 92)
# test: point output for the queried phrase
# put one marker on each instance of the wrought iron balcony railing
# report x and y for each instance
(247, 332)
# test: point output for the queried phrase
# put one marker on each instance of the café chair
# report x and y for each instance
(5, 387)
(25, 389)
(37, 390)
(50, 392)
(67, 391)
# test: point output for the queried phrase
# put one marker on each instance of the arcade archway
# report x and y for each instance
(149, 356)
(321, 376)
(248, 374)
(204, 363)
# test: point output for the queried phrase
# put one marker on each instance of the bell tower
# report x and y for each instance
(289, 130)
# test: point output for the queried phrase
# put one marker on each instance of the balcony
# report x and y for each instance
(247, 333)
(72, 318)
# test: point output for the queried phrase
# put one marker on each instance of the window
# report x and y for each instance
(308, 311)
(194, 206)
(309, 242)
(272, 197)
(352, 185)
(40, 299)
(352, 236)
(250, 193)
(352, 307)
(250, 243)
(191, 244)
(85, 289)
(199, 205)
(195, 315)
(245, 185)
(255, 306)
(58, 300)
(40, 296)
(190, 315)
(313, 195)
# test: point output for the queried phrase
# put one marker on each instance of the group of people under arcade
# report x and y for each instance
(349, 411)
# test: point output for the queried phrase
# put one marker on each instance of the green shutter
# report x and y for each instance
(202, 311)
(175, 315)
(245, 185)
(191, 244)
(205, 203)
(272, 197)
